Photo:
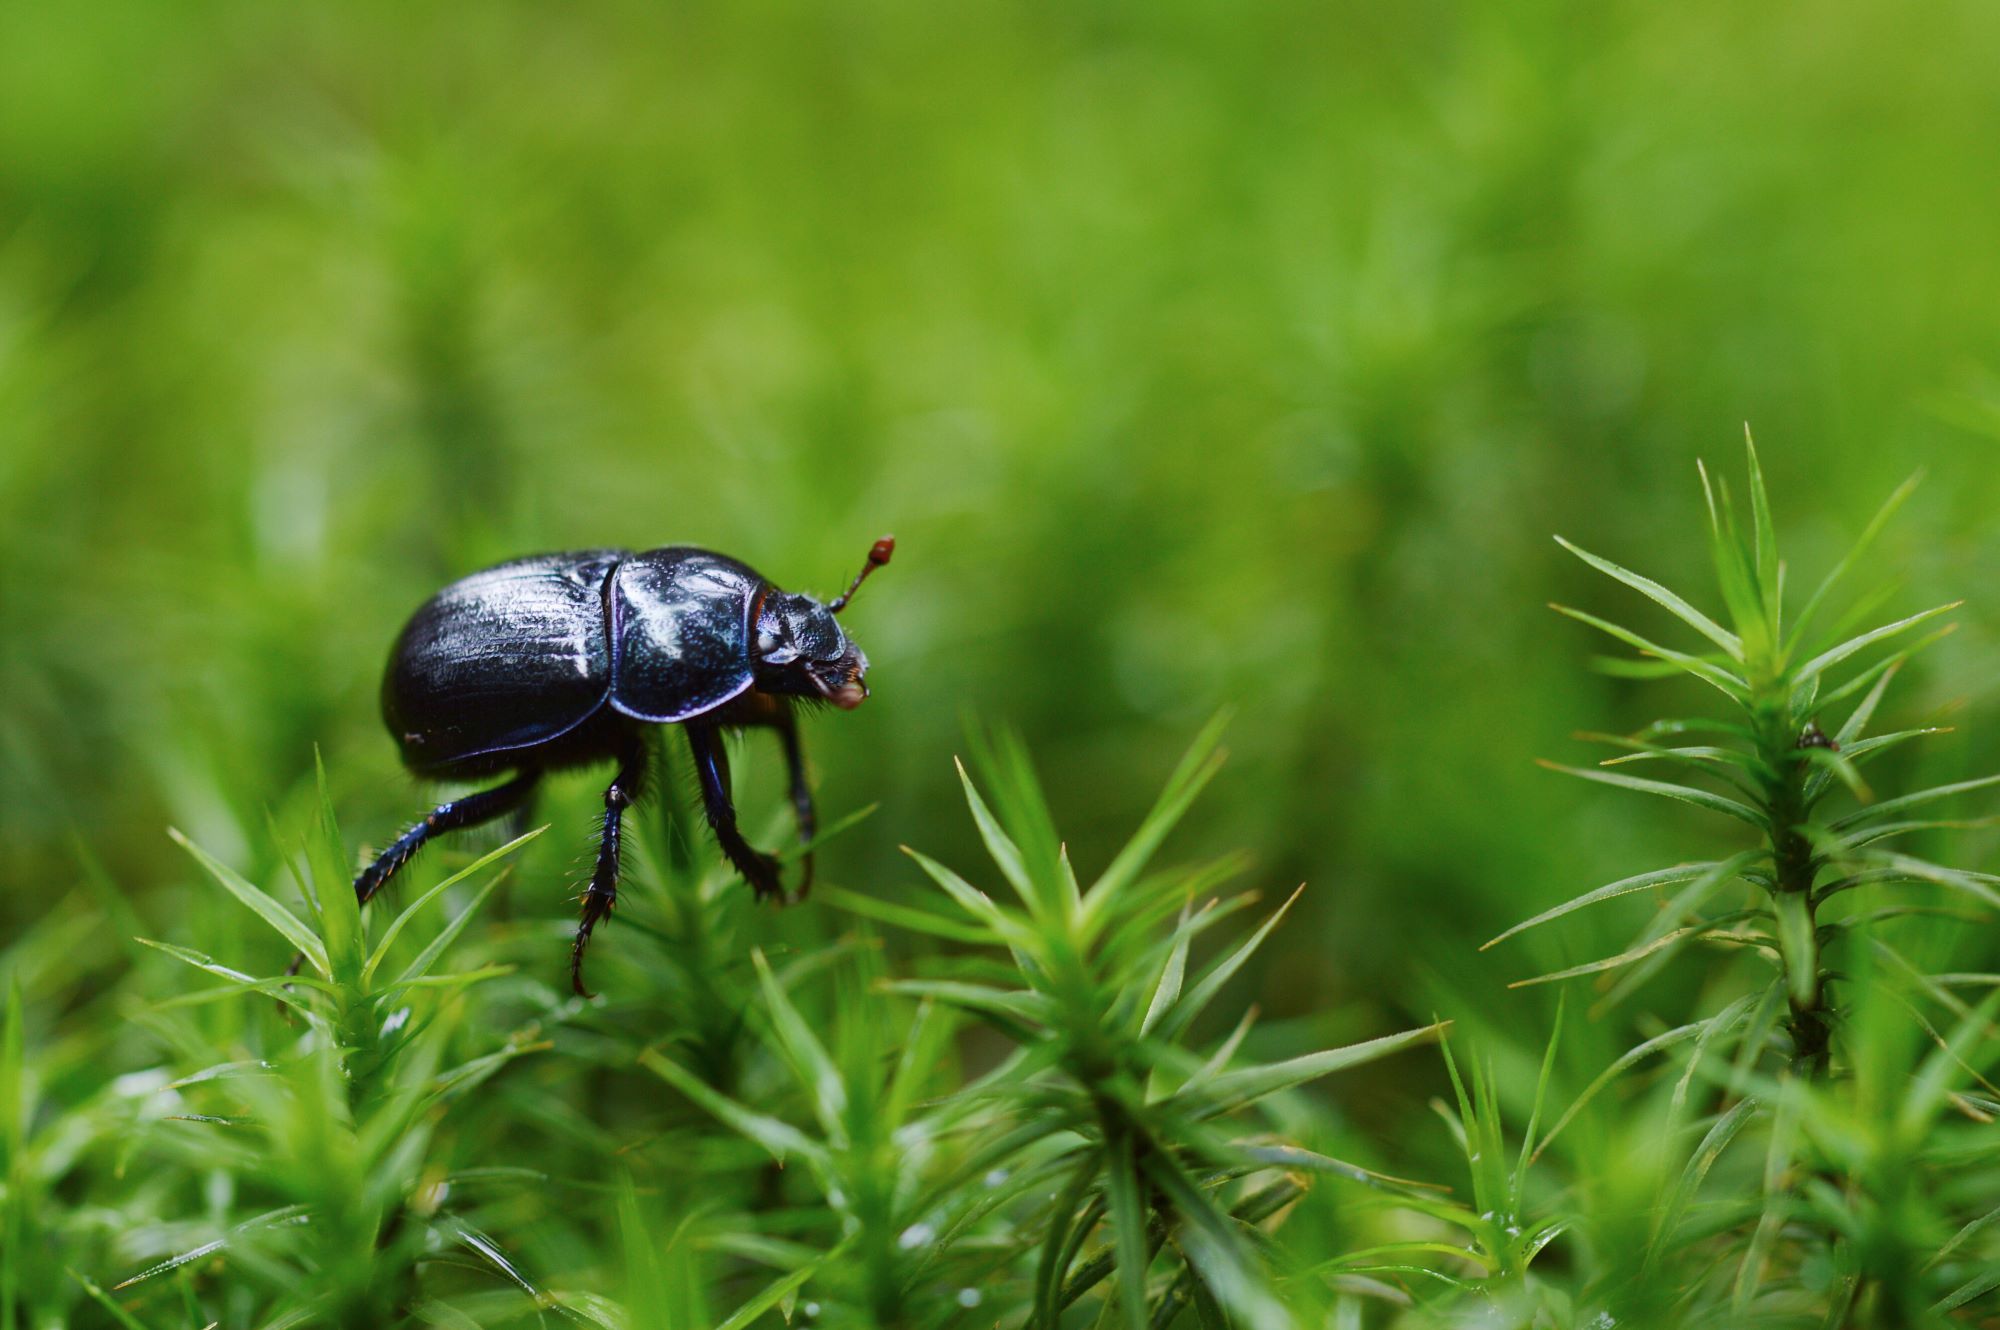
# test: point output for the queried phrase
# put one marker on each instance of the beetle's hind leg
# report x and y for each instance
(711, 767)
(602, 893)
(456, 815)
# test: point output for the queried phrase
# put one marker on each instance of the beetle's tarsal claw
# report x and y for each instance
(761, 871)
(576, 964)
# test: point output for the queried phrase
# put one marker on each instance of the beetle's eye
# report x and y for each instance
(766, 643)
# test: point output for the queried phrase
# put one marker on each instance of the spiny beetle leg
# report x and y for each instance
(601, 895)
(456, 815)
(469, 811)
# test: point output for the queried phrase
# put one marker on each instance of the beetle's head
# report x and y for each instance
(802, 650)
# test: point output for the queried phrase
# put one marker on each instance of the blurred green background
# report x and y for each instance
(1198, 355)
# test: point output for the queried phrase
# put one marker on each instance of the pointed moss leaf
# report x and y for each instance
(1886, 665)
(929, 1036)
(1712, 1029)
(802, 1049)
(780, 1139)
(1661, 729)
(1215, 1250)
(1246, 1085)
(280, 988)
(1666, 599)
(1067, 1215)
(1707, 671)
(1864, 710)
(1832, 765)
(1887, 807)
(1888, 830)
(331, 896)
(1197, 998)
(285, 1215)
(1980, 886)
(1027, 1008)
(288, 924)
(1129, 1216)
(1197, 767)
(409, 911)
(901, 916)
(1623, 958)
(1689, 900)
(1932, 1086)
(1518, 1183)
(111, 1305)
(1297, 1157)
(1224, 1053)
(1849, 560)
(1625, 1062)
(972, 900)
(1861, 748)
(448, 934)
(1695, 757)
(832, 831)
(1736, 577)
(1765, 537)
(1826, 659)
(469, 1075)
(1715, 803)
(1632, 667)
(1167, 988)
(1712, 1145)
(1005, 853)
(1022, 810)
(172, 1263)
(773, 1293)
(1624, 886)
(15, 1108)
(1976, 1287)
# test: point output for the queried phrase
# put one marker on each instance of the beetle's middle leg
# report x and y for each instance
(602, 893)
(711, 767)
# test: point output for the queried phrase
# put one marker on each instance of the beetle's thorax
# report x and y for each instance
(800, 649)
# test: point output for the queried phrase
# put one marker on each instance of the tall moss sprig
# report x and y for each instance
(1797, 732)
(1136, 1176)
(1858, 1071)
(336, 1128)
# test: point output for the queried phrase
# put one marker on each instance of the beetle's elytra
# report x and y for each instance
(566, 659)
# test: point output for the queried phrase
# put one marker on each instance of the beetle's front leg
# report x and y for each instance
(711, 768)
(602, 894)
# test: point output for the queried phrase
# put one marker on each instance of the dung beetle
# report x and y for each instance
(562, 660)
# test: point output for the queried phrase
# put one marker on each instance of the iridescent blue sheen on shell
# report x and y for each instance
(681, 624)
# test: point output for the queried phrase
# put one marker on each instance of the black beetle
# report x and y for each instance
(565, 659)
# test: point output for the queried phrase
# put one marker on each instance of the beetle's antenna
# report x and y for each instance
(878, 554)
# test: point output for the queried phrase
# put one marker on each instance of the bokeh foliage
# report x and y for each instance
(1197, 355)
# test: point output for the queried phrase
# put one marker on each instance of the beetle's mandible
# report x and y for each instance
(566, 659)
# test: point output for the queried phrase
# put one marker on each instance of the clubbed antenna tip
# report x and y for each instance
(878, 554)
